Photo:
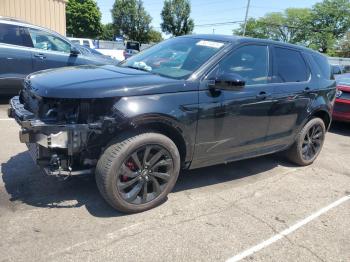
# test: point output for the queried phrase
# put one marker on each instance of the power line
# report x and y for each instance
(246, 18)
(295, 27)
(214, 24)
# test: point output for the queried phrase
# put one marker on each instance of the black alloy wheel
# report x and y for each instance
(144, 174)
(308, 143)
(313, 141)
(137, 172)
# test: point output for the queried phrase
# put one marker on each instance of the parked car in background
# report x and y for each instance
(131, 48)
(83, 41)
(215, 99)
(112, 53)
(338, 69)
(341, 110)
(113, 49)
(93, 52)
(26, 48)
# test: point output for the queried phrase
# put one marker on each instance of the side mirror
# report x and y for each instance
(229, 81)
(74, 51)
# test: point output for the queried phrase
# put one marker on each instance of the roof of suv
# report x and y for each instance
(241, 39)
(14, 21)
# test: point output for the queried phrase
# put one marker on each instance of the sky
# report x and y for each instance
(206, 12)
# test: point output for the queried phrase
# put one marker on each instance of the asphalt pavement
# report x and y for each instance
(263, 209)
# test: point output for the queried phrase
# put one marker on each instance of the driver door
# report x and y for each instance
(50, 51)
(233, 122)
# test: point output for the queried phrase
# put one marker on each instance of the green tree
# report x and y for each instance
(131, 20)
(83, 18)
(154, 36)
(176, 17)
(320, 27)
(287, 26)
(343, 49)
(108, 32)
(253, 29)
(330, 22)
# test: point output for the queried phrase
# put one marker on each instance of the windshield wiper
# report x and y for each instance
(139, 68)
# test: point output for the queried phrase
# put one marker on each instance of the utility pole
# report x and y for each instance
(246, 17)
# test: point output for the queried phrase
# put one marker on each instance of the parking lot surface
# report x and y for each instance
(213, 214)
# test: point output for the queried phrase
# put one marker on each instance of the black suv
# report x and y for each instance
(187, 102)
(26, 48)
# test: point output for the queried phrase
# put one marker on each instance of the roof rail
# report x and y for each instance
(12, 19)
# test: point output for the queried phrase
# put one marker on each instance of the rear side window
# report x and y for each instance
(14, 35)
(290, 66)
(323, 65)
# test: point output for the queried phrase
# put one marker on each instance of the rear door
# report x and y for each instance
(15, 57)
(293, 84)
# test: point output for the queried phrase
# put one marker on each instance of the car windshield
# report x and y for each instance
(344, 81)
(175, 58)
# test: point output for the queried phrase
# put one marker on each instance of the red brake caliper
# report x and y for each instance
(131, 166)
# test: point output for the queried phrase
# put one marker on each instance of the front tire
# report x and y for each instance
(137, 173)
(308, 143)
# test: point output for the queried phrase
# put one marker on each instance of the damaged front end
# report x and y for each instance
(64, 136)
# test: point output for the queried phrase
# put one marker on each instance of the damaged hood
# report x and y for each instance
(98, 82)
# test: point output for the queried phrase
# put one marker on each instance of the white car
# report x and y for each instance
(113, 53)
(83, 41)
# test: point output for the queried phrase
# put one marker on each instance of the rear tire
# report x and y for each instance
(308, 143)
(137, 173)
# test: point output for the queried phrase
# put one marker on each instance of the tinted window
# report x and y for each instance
(337, 70)
(14, 35)
(250, 62)
(289, 66)
(324, 68)
(46, 41)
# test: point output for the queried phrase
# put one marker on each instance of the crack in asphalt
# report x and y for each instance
(219, 210)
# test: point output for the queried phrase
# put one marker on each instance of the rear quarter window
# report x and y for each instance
(323, 65)
(14, 35)
(289, 66)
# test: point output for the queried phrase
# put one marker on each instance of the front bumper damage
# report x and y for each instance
(53, 146)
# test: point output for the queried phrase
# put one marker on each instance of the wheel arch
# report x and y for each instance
(324, 115)
(164, 125)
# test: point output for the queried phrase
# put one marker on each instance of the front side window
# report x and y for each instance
(249, 62)
(290, 66)
(14, 35)
(45, 41)
(175, 58)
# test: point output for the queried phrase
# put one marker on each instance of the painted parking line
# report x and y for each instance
(287, 231)
(6, 119)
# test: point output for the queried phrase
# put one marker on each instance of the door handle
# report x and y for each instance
(262, 95)
(40, 56)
